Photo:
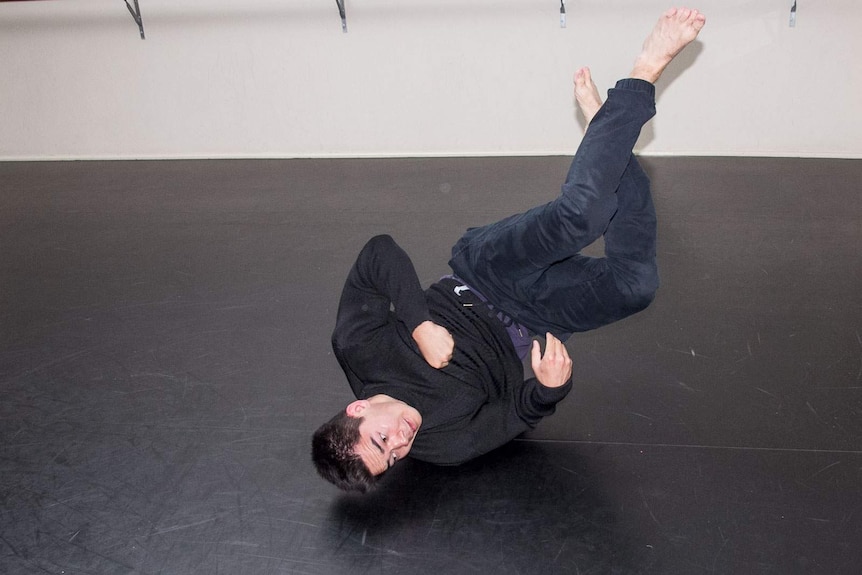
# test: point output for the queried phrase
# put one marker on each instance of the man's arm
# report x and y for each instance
(492, 426)
(382, 278)
(553, 370)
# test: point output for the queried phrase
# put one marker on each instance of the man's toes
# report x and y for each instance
(581, 73)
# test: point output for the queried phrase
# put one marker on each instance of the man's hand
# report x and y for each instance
(435, 342)
(553, 369)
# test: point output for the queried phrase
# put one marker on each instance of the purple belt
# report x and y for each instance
(519, 335)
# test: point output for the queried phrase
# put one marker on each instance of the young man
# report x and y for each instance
(438, 374)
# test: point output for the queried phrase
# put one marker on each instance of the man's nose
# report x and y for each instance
(400, 439)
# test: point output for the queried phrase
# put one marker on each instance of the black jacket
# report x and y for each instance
(476, 403)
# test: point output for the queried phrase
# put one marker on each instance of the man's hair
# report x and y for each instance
(333, 449)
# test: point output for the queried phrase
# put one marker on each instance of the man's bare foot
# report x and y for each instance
(586, 94)
(675, 30)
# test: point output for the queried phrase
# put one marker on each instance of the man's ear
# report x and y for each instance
(356, 408)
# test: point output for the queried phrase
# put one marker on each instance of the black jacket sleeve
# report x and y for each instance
(493, 425)
(382, 278)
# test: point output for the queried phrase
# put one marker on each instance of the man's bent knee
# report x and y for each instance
(639, 285)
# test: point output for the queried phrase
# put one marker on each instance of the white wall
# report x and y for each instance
(277, 78)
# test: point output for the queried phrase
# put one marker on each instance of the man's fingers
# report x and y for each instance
(556, 352)
(560, 347)
(563, 351)
(552, 345)
(554, 367)
(536, 355)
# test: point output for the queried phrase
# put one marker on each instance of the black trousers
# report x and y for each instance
(530, 264)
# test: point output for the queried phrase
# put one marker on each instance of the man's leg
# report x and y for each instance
(529, 264)
(581, 293)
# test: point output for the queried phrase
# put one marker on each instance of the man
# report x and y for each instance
(438, 374)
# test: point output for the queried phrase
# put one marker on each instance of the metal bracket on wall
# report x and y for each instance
(136, 14)
(343, 15)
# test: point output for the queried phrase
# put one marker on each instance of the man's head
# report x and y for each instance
(360, 443)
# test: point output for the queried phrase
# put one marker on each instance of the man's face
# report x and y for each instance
(386, 432)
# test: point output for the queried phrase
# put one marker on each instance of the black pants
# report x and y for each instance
(530, 264)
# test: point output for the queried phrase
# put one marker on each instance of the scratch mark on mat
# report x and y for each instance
(686, 387)
(718, 553)
(559, 552)
(186, 526)
(824, 469)
(813, 411)
(646, 506)
(641, 415)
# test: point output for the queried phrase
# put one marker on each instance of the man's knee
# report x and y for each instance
(641, 285)
(378, 241)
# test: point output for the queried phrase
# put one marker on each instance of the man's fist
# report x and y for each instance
(435, 342)
(553, 369)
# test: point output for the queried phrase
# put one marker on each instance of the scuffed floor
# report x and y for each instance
(164, 358)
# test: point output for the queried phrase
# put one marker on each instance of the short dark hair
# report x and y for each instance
(333, 449)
